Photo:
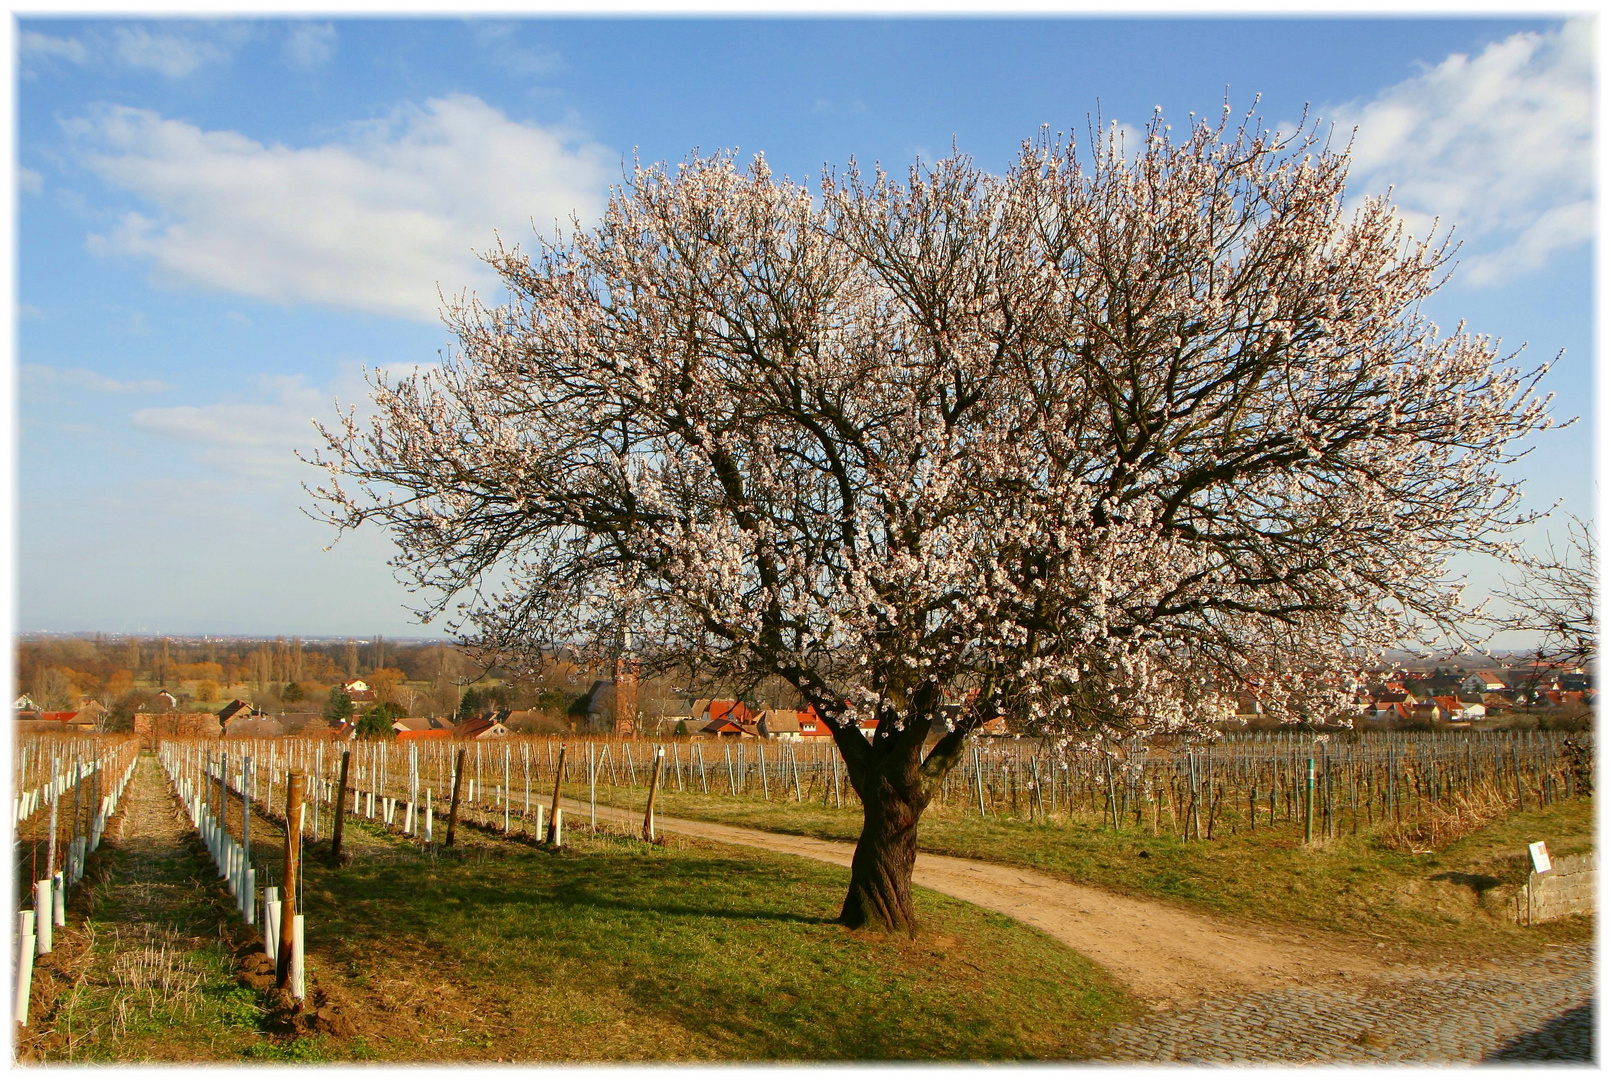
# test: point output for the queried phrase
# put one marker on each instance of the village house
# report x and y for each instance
(67, 720)
(1558, 699)
(721, 717)
(235, 709)
(413, 728)
(91, 716)
(811, 725)
(1483, 682)
(1496, 704)
(730, 728)
(779, 724)
(1457, 711)
(480, 728)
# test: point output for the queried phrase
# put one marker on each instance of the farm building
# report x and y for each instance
(235, 709)
(480, 727)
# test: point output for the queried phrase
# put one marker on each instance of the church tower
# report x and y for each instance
(626, 690)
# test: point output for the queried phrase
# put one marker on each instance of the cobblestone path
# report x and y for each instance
(1531, 1009)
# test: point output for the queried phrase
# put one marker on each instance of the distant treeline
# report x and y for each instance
(128, 674)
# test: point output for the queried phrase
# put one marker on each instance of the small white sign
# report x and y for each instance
(1540, 856)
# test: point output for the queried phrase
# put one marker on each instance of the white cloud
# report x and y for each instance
(89, 380)
(1549, 231)
(173, 55)
(29, 181)
(256, 438)
(173, 48)
(259, 437)
(37, 44)
(309, 45)
(1499, 145)
(376, 221)
(501, 41)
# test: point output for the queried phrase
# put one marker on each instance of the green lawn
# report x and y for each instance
(618, 950)
(1354, 885)
(610, 950)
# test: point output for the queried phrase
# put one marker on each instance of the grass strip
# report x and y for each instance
(1453, 898)
(617, 950)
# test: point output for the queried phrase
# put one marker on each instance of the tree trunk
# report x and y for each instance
(880, 896)
(896, 781)
(895, 788)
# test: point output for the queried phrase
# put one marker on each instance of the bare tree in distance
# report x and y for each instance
(1097, 444)
(1554, 598)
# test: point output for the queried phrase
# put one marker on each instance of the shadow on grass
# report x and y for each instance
(638, 885)
(731, 957)
(1477, 883)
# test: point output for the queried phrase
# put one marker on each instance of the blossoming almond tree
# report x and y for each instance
(1097, 445)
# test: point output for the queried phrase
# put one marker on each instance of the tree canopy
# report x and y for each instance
(338, 705)
(1101, 443)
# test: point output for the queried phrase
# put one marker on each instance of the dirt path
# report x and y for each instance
(141, 971)
(1240, 995)
(1166, 956)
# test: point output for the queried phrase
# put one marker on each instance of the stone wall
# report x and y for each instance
(1567, 888)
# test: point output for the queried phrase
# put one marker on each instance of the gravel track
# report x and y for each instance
(1537, 1008)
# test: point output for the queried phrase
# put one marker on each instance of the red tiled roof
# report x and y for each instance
(475, 727)
(812, 725)
(731, 710)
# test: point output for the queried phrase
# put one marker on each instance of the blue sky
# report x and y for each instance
(220, 223)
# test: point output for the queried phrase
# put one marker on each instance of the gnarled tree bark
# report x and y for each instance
(895, 782)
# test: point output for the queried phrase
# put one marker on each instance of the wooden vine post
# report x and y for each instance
(288, 887)
(654, 784)
(551, 833)
(341, 808)
(453, 804)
